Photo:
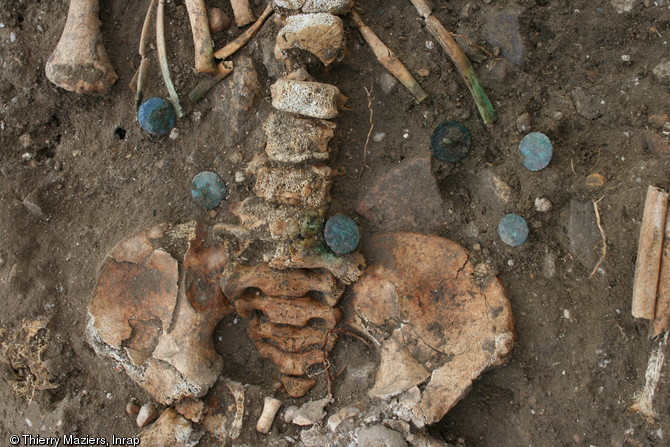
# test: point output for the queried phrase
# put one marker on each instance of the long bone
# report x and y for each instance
(204, 46)
(80, 63)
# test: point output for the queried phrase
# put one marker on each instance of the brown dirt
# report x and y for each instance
(96, 178)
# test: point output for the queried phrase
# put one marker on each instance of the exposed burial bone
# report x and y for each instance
(293, 311)
(649, 253)
(293, 140)
(291, 283)
(157, 319)
(313, 99)
(291, 363)
(314, 6)
(321, 34)
(290, 338)
(80, 63)
(202, 40)
(242, 12)
(421, 295)
(308, 187)
(270, 408)
(296, 386)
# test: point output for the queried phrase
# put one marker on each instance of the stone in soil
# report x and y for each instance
(405, 198)
(146, 415)
(502, 30)
(583, 239)
(170, 430)
(380, 436)
(662, 71)
(657, 144)
(235, 100)
(208, 190)
(586, 105)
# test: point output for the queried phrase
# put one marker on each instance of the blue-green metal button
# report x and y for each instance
(208, 189)
(536, 150)
(450, 142)
(341, 234)
(513, 230)
(156, 116)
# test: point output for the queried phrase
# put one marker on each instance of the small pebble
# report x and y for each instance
(25, 140)
(208, 189)
(379, 136)
(132, 408)
(523, 123)
(513, 230)
(510, 262)
(536, 150)
(213, 214)
(174, 134)
(543, 205)
(430, 44)
(239, 177)
(146, 415)
(341, 234)
(450, 142)
(156, 116)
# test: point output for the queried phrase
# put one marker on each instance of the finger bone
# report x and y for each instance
(270, 408)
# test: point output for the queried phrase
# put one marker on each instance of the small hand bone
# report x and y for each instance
(80, 63)
(202, 41)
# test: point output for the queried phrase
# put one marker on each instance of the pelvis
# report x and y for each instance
(437, 320)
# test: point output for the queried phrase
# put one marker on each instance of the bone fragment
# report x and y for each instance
(291, 363)
(243, 38)
(346, 268)
(649, 251)
(289, 338)
(308, 187)
(289, 4)
(295, 311)
(162, 58)
(172, 430)
(460, 60)
(644, 401)
(146, 415)
(141, 74)
(271, 221)
(312, 99)
(223, 70)
(242, 12)
(293, 140)
(288, 283)
(80, 63)
(388, 59)
(270, 408)
(329, 6)
(296, 386)
(237, 390)
(321, 34)
(662, 314)
(202, 41)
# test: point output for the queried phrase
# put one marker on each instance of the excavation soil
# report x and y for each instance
(77, 175)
